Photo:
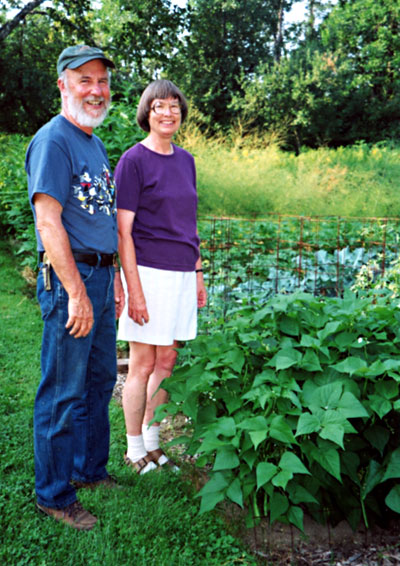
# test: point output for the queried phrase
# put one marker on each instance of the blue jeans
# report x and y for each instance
(71, 422)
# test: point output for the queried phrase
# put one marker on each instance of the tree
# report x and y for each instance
(28, 57)
(10, 25)
(141, 35)
(370, 45)
(340, 85)
(225, 40)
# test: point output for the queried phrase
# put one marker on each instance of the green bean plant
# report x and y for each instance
(293, 408)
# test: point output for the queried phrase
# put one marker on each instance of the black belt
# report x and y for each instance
(93, 259)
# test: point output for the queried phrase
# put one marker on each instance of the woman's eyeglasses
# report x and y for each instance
(160, 108)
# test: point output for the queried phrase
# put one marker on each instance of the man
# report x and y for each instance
(72, 194)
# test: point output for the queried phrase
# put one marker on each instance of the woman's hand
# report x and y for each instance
(137, 309)
(201, 291)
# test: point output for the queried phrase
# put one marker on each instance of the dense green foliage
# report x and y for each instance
(294, 405)
(330, 80)
(15, 212)
(150, 521)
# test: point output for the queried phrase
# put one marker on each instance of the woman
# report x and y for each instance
(162, 274)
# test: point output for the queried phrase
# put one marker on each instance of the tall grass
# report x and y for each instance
(252, 177)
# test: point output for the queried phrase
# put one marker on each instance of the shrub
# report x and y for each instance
(294, 408)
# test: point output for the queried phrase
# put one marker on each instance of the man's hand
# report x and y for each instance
(119, 295)
(80, 316)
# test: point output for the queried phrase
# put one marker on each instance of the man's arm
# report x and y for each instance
(56, 243)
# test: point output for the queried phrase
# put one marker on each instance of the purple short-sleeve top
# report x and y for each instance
(161, 191)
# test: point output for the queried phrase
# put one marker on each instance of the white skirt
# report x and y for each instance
(171, 300)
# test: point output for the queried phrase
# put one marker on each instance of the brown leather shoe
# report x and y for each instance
(108, 482)
(74, 515)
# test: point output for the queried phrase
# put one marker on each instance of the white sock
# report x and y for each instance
(151, 437)
(136, 451)
(136, 448)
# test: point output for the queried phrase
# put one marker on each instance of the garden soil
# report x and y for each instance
(283, 545)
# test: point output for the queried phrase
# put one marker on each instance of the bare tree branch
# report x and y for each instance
(12, 24)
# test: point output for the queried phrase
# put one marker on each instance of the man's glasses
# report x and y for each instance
(160, 108)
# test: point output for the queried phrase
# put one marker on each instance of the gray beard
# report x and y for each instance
(76, 110)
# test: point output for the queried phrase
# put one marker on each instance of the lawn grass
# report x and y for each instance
(151, 521)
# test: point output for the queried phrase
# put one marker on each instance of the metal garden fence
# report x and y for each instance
(279, 254)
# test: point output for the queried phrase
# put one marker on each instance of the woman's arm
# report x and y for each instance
(137, 309)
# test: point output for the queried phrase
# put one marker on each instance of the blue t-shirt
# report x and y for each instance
(161, 191)
(64, 162)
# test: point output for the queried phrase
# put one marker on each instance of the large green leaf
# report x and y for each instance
(289, 325)
(225, 426)
(378, 436)
(327, 396)
(266, 376)
(379, 405)
(264, 472)
(392, 499)
(291, 462)
(280, 430)
(330, 328)
(299, 494)
(333, 432)
(328, 458)
(234, 492)
(210, 500)
(235, 359)
(308, 341)
(307, 424)
(393, 467)
(387, 389)
(373, 477)
(279, 504)
(351, 365)
(350, 407)
(211, 442)
(310, 361)
(217, 482)
(250, 457)
(226, 459)
(258, 436)
(253, 423)
(345, 339)
(295, 516)
(391, 364)
(282, 478)
(285, 358)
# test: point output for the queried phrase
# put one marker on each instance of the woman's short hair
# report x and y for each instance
(161, 88)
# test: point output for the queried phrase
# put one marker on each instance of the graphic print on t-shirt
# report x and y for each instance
(96, 194)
